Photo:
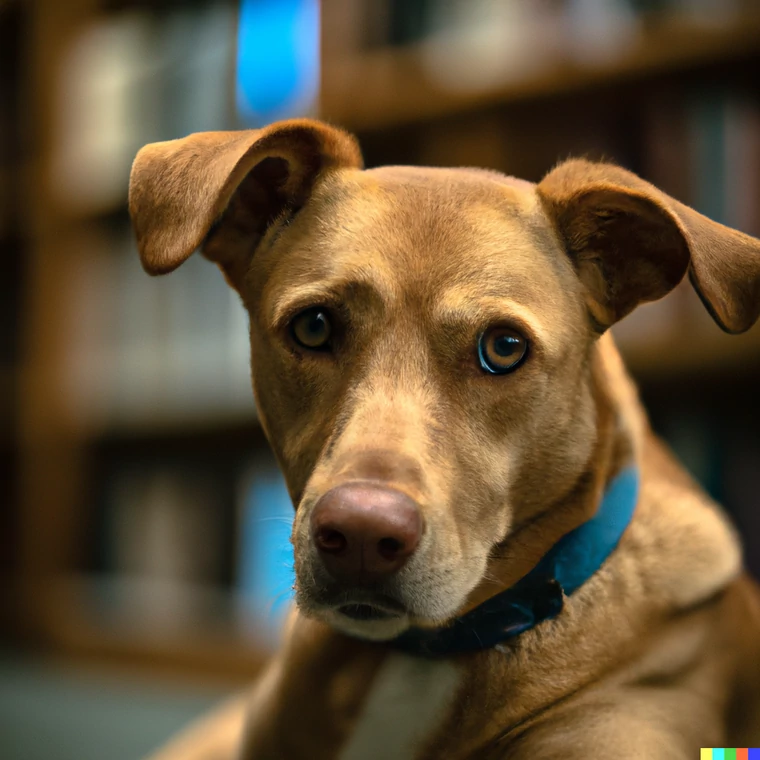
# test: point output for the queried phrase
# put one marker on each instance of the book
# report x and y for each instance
(160, 544)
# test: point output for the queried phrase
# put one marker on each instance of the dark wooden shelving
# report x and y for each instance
(391, 87)
(521, 125)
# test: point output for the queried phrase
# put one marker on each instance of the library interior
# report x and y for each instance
(145, 564)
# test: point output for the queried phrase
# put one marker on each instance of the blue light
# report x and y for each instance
(277, 59)
(266, 573)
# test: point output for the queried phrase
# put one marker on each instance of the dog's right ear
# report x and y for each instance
(220, 191)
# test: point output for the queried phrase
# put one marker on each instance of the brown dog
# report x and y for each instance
(432, 369)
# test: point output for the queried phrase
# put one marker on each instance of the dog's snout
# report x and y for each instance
(365, 531)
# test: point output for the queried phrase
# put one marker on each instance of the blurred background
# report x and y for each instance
(143, 525)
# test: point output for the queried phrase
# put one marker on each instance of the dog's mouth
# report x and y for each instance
(368, 612)
(363, 614)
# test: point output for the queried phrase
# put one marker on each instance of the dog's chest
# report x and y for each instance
(407, 702)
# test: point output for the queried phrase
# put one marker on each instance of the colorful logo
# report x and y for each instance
(733, 753)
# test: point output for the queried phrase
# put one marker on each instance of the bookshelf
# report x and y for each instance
(122, 390)
(404, 89)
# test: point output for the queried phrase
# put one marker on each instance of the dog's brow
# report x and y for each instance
(327, 293)
(461, 305)
(301, 297)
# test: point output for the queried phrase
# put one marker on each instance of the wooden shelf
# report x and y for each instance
(392, 87)
(74, 629)
(691, 356)
(676, 338)
(201, 421)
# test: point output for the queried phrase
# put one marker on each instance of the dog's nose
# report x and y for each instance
(365, 531)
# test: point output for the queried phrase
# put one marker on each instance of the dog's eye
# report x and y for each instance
(501, 350)
(311, 329)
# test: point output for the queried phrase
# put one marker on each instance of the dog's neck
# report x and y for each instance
(541, 594)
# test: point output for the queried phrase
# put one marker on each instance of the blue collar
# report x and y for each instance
(540, 594)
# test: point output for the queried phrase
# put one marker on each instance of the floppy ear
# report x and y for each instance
(222, 190)
(631, 243)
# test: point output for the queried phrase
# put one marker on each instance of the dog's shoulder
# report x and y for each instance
(686, 547)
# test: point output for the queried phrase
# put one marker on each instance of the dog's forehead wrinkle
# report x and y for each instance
(433, 253)
(412, 192)
(448, 176)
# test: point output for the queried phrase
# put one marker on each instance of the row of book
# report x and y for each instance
(703, 148)
(134, 77)
(153, 352)
(601, 23)
(191, 541)
(140, 76)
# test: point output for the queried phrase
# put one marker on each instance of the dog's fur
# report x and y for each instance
(656, 655)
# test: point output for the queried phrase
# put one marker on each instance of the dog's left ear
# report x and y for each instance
(631, 243)
(221, 191)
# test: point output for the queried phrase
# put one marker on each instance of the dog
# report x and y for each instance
(495, 556)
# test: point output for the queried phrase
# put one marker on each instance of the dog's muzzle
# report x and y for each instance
(363, 534)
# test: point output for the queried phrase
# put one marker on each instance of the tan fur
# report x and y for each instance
(658, 653)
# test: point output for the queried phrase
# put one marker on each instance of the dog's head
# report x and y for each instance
(423, 342)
